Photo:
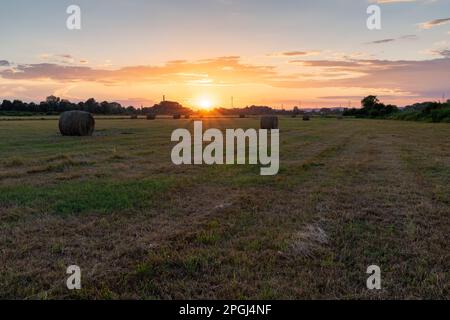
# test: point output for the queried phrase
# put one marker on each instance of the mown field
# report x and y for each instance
(349, 194)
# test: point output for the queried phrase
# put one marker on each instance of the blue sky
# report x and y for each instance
(118, 34)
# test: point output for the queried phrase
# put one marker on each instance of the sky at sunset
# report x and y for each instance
(316, 53)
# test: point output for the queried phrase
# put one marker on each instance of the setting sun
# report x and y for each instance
(205, 104)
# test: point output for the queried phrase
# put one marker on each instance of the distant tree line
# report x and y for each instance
(55, 105)
(372, 108)
(425, 111)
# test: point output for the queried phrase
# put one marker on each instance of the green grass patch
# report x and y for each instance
(87, 196)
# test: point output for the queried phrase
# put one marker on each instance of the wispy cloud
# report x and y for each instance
(434, 23)
(444, 53)
(296, 53)
(405, 37)
(422, 78)
(381, 41)
(63, 58)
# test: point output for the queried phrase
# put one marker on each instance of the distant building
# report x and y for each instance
(169, 108)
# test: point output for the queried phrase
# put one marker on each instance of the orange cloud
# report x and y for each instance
(223, 70)
(434, 23)
(313, 78)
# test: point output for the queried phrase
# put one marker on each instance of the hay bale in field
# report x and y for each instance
(306, 117)
(242, 116)
(151, 116)
(134, 116)
(177, 116)
(76, 123)
(269, 122)
(294, 116)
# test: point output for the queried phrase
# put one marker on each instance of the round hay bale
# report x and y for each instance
(269, 122)
(134, 117)
(306, 117)
(76, 123)
(242, 116)
(177, 116)
(151, 116)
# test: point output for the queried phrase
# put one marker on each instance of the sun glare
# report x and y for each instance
(205, 104)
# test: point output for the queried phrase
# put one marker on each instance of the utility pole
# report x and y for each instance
(232, 102)
(164, 98)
